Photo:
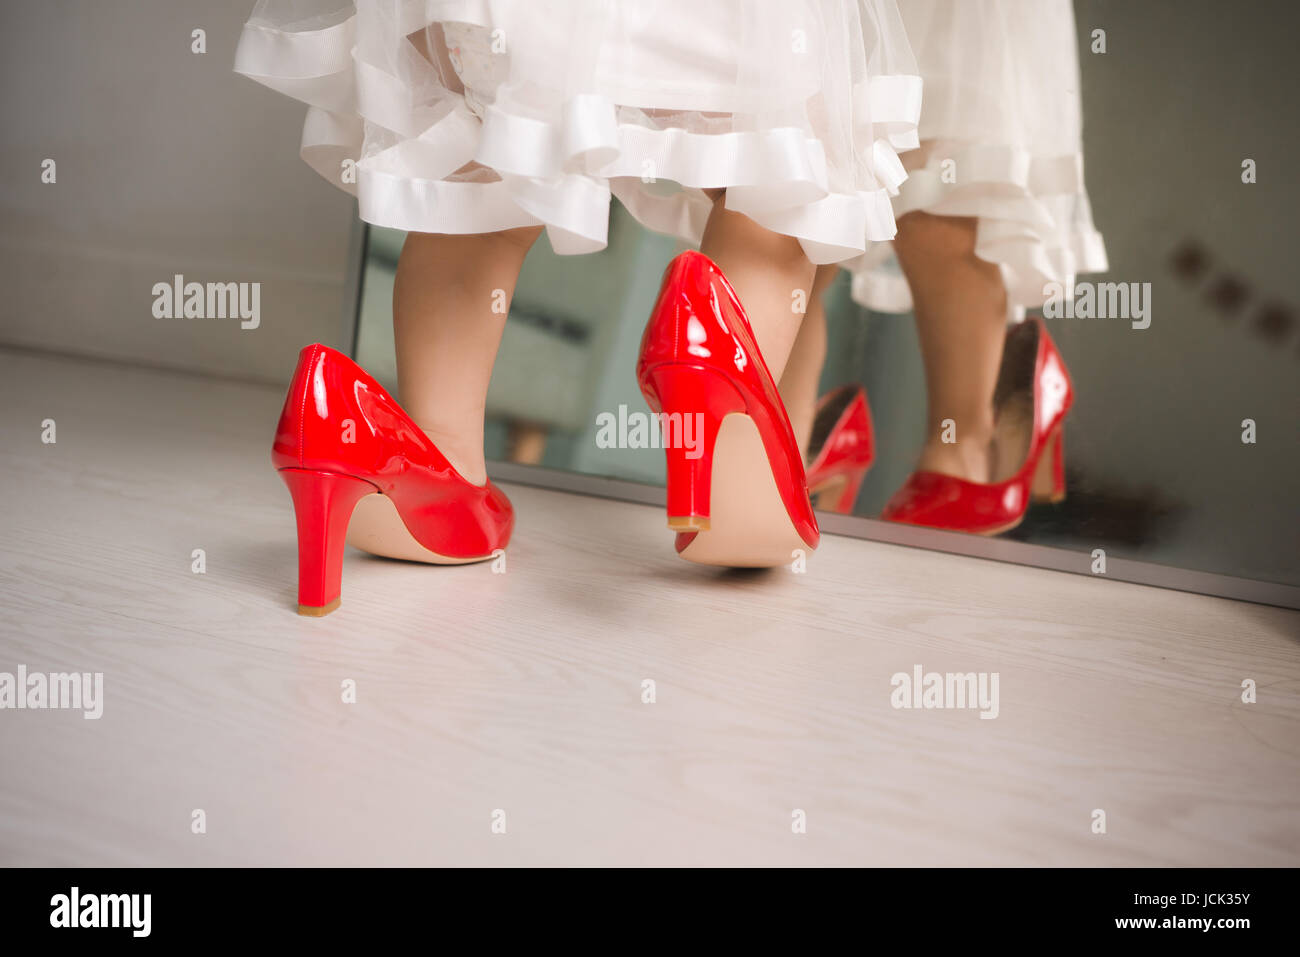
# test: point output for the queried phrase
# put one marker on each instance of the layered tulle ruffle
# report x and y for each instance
(470, 117)
(1032, 217)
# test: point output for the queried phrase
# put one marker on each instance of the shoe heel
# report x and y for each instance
(322, 504)
(1049, 475)
(692, 402)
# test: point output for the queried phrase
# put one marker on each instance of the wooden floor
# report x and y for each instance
(522, 692)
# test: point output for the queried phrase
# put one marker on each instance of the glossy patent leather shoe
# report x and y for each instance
(841, 450)
(737, 495)
(943, 501)
(342, 437)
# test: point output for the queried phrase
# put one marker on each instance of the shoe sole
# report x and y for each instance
(748, 526)
(377, 528)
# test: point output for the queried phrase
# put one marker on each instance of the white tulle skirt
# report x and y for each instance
(1001, 141)
(472, 116)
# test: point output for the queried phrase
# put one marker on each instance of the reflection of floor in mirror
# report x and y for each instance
(523, 692)
(1096, 510)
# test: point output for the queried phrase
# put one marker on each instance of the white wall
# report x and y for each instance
(167, 162)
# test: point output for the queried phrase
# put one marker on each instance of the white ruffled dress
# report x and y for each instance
(1002, 141)
(472, 116)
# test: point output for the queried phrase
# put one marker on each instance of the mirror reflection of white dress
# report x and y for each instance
(470, 116)
(1001, 140)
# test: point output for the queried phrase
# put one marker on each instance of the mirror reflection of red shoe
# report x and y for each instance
(738, 495)
(944, 501)
(341, 437)
(841, 450)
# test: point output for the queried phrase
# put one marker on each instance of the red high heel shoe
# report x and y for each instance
(943, 501)
(342, 437)
(736, 492)
(841, 450)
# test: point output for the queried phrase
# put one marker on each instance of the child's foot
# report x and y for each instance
(377, 528)
(970, 458)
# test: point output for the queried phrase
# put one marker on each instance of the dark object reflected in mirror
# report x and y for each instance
(1179, 451)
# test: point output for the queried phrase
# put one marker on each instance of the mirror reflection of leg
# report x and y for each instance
(526, 442)
(961, 313)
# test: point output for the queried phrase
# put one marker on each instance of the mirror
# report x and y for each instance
(1182, 454)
